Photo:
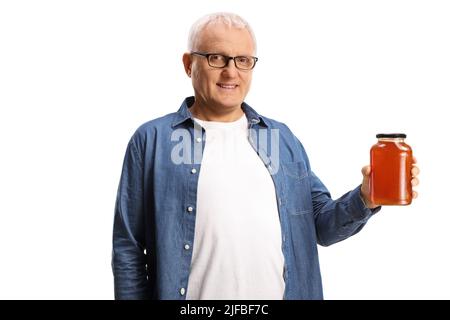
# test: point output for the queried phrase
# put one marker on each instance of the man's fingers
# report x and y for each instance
(415, 181)
(415, 171)
(365, 170)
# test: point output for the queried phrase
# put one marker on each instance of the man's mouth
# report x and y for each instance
(228, 86)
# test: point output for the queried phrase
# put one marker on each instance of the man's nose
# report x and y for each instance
(230, 69)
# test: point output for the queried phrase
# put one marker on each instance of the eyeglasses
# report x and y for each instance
(217, 60)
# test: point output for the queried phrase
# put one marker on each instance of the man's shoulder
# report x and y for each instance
(163, 121)
(167, 121)
(148, 131)
(275, 124)
(289, 143)
(160, 123)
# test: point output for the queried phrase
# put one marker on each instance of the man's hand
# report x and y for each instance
(365, 187)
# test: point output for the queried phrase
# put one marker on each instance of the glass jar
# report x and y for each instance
(391, 164)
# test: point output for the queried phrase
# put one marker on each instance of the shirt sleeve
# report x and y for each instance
(338, 219)
(335, 220)
(128, 256)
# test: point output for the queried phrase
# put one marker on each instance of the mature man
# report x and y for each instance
(218, 202)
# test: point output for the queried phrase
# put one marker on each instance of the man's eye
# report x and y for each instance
(215, 57)
(243, 60)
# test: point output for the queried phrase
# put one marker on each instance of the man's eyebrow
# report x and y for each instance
(227, 55)
(217, 52)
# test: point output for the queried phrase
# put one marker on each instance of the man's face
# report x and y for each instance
(226, 87)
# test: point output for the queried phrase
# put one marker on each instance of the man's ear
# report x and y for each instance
(187, 62)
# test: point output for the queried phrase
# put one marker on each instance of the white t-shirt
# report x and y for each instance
(237, 246)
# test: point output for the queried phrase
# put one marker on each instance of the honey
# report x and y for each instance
(391, 164)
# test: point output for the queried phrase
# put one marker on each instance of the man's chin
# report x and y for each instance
(229, 104)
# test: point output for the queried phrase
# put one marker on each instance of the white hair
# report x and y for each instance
(226, 18)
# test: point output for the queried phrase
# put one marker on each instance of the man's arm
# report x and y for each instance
(335, 220)
(338, 219)
(128, 257)
(342, 218)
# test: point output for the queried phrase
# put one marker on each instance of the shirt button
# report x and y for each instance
(190, 209)
(182, 291)
(186, 247)
(198, 139)
(193, 170)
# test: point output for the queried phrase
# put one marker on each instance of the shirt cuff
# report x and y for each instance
(360, 205)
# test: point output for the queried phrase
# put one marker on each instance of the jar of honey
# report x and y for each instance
(391, 164)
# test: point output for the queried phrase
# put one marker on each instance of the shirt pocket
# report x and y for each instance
(297, 188)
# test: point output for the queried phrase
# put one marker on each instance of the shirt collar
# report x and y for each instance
(183, 113)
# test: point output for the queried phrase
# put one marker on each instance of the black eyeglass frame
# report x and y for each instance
(227, 59)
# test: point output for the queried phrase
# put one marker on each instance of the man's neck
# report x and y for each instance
(206, 113)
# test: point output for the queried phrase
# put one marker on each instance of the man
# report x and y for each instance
(218, 202)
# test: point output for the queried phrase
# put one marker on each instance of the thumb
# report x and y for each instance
(365, 171)
(365, 187)
(366, 178)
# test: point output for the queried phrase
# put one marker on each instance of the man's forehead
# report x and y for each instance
(221, 37)
(218, 30)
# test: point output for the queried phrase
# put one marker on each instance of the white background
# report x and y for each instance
(78, 77)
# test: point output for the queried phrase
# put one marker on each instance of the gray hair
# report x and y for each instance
(227, 18)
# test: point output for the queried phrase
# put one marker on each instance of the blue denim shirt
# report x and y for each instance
(156, 202)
